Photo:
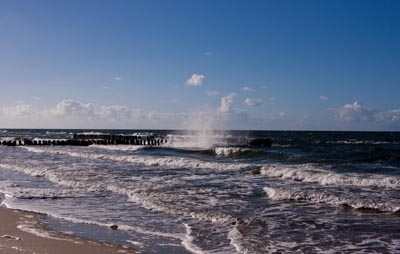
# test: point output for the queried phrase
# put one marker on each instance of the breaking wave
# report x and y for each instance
(118, 147)
(325, 196)
(163, 161)
(362, 142)
(43, 193)
(231, 151)
(310, 174)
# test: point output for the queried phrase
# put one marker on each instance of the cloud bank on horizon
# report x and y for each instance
(150, 64)
(75, 114)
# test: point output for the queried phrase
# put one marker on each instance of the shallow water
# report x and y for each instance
(314, 192)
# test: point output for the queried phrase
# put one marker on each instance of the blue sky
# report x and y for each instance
(291, 65)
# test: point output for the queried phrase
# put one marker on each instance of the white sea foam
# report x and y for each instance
(143, 231)
(189, 244)
(11, 237)
(236, 238)
(308, 173)
(230, 151)
(55, 132)
(325, 196)
(93, 133)
(118, 147)
(162, 161)
(9, 204)
(42, 193)
(152, 203)
(60, 175)
(142, 198)
(194, 140)
(135, 243)
(363, 142)
(31, 229)
(7, 138)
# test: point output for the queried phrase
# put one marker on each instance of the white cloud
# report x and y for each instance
(389, 116)
(272, 98)
(212, 93)
(226, 103)
(196, 80)
(36, 98)
(117, 112)
(75, 114)
(248, 89)
(17, 110)
(67, 108)
(358, 112)
(208, 53)
(323, 98)
(119, 78)
(253, 102)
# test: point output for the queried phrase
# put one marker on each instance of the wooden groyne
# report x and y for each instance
(92, 138)
(121, 139)
(86, 139)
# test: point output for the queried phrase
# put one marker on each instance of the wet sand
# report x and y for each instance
(16, 237)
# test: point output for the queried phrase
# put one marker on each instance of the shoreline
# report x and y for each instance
(21, 232)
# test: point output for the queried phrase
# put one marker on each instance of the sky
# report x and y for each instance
(256, 65)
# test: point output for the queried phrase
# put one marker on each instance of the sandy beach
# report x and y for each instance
(16, 237)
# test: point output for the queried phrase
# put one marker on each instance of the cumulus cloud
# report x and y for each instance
(75, 114)
(68, 108)
(248, 89)
(226, 103)
(323, 98)
(212, 93)
(196, 80)
(358, 112)
(17, 110)
(253, 102)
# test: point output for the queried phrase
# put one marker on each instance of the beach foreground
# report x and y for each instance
(15, 240)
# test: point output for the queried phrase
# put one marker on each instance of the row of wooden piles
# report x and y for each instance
(89, 139)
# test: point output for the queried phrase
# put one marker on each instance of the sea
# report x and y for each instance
(209, 192)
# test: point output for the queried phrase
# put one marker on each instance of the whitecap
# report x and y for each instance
(310, 174)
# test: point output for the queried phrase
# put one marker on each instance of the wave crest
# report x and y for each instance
(310, 174)
(325, 196)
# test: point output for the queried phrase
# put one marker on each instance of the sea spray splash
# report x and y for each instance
(201, 130)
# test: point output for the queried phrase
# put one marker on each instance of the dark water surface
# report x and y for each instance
(311, 192)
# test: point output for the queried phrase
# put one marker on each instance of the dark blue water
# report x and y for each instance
(311, 192)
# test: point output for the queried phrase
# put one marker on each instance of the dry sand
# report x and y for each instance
(14, 240)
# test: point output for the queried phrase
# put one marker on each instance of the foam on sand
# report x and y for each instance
(30, 240)
(33, 229)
